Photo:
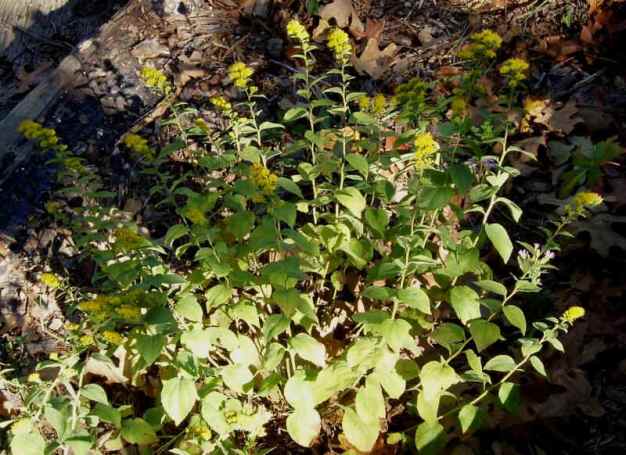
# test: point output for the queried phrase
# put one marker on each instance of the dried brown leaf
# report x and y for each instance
(373, 60)
(344, 14)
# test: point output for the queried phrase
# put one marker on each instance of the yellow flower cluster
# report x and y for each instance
(483, 45)
(425, 149)
(128, 240)
(34, 378)
(582, 201)
(376, 105)
(138, 145)
(155, 79)
(264, 179)
(86, 340)
(240, 74)
(46, 138)
(53, 207)
(298, 31)
(50, 280)
(339, 43)
(221, 103)
(515, 70)
(127, 306)
(112, 337)
(573, 313)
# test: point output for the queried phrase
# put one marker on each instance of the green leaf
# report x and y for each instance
(333, 379)
(286, 212)
(80, 442)
(274, 326)
(31, 443)
(236, 377)
(437, 377)
(270, 125)
(397, 334)
(369, 401)
(516, 211)
(198, 341)
(484, 333)
(95, 392)
(174, 233)
(378, 293)
(293, 114)
(509, 397)
(138, 431)
(150, 346)
(501, 363)
(462, 177)
(290, 186)
(415, 298)
(500, 239)
(303, 425)
(470, 418)
(449, 335)
(178, 397)
(189, 308)
(377, 219)
(434, 197)
(108, 414)
(299, 392)
(240, 224)
(218, 295)
(538, 366)
(360, 433)
(516, 317)
(492, 286)
(352, 199)
(309, 349)
(466, 303)
(358, 162)
(430, 438)
(361, 118)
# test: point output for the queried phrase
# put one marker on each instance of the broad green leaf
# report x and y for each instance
(397, 334)
(290, 186)
(80, 442)
(462, 177)
(516, 317)
(333, 379)
(274, 326)
(236, 377)
(430, 438)
(449, 335)
(303, 425)
(360, 433)
(178, 397)
(273, 355)
(437, 377)
(428, 407)
(352, 199)
(189, 308)
(294, 114)
(218, 295)
(362, 352)
(31, 443)
(150, 346)
(516, 211)
(198, 341)
(500, 239)
(470, 418)
(309, 349)
(377, 219)
(212, 413)
(434, 197)
(538, 366)
(492, 286)
(369, 402)
(362, 118)
(359, 252)
(509, 397)
(408, 369)
(501, 363)
(108, 414)
(299, 392)
(174, 233)
(466, 303)
(474, 361)
(484, 333)
(138, 431)
(94, 392)
(378, 293)
(358, 162)
(415, 298)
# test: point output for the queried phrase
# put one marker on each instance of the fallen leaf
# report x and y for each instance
(374, 61)
(104, 367)
(373, 29)
(344, 14)
(563, 120)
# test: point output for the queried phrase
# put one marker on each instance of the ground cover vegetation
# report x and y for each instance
(345, 273)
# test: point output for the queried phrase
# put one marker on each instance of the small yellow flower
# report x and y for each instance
(515, 70)
(129, 312)
(339, 43)
(364, 103)
(298, 31)
(483, 45)
(71, 326)
(34, 378)
(53, 207)
(379, 104)
(46, 138)
(50, 280)
(155, 79)
(265, 180)
(86, 340)
(138, 145)
(240, 74)
(221, 103)
(426, 148)
(587, 199)
(112, 337)
(573, 313)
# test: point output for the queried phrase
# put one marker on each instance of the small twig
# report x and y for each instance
(44, 40)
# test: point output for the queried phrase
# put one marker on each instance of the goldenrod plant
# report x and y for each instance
(225, 321)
